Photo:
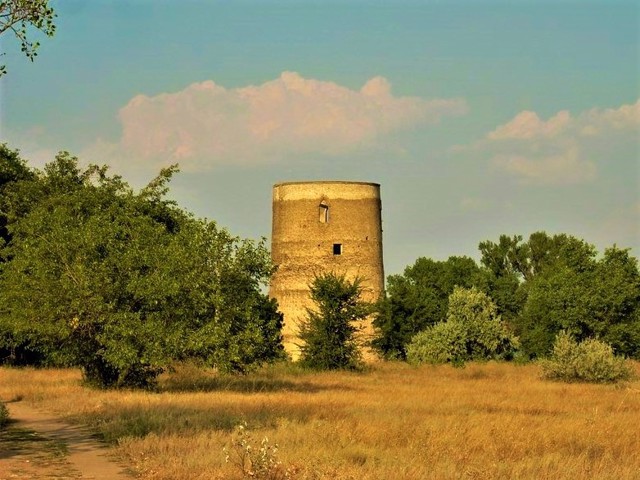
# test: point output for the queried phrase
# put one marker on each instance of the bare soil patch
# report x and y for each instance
(24, 454)
(37, 445)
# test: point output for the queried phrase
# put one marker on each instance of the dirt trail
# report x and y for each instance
(62, 451)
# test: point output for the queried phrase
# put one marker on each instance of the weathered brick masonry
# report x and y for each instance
(318, 227)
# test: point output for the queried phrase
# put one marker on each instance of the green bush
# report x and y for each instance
(473, 331)
(444, 342)
(329, 333)
(4, 415)
(587, 361)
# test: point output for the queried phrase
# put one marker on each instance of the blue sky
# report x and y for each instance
(478, 118)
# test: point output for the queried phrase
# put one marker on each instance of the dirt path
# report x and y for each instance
(37, 445)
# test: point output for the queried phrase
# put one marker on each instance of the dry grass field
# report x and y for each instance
(486, 421)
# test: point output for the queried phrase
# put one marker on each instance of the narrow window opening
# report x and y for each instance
(324, 212)
(337, 249)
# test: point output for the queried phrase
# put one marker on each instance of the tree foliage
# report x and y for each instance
(540, 286)
(511, 265)
(594, 298)
(12, 170)
(21, 16)
(417, 299)
(329, 332)
(509, 256)
(472, 331)
(123, 283)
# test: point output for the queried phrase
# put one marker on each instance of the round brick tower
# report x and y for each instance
(322, 227)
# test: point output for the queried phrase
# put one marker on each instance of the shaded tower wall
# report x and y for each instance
(321, 227)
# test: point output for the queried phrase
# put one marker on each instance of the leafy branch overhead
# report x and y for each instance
(21, 16)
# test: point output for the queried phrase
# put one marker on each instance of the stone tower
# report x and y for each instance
(321, 227)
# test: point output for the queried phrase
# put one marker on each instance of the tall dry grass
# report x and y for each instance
(487, 421)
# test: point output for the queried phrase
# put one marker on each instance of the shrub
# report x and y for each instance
(4, 415)
(588, 361)
(444, 342)
(329, 332)
(473, 331)
(418, 299)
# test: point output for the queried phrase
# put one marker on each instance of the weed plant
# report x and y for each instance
(252, 460)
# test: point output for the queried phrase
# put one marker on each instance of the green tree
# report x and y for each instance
(507, 257)
(594, 299)
(473, 330)
(617, 302)
(12, 170)
(417, 299)
(329, 334)
(12, 166)
(526, 260)
(123, 283)
(22, 16)
(512, 267)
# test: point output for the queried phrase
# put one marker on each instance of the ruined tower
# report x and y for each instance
(321, 227)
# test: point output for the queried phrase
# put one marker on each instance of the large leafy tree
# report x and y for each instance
(617, 302)
(511, 264)
(552, 283)
(123, 283)
(599, 299)
(20, 17)
(525, 260)
(419, 298)
(12, 170)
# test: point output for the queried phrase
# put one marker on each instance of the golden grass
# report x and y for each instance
(486, 421)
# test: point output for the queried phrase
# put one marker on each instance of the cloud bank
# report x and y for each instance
(206, 124)
(564, 149)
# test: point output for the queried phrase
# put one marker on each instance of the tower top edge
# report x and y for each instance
(326, 182)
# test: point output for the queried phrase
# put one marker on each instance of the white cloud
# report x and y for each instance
(627, 117)
(527, 125)
(563, 149)
(206, 124)
(563, 169)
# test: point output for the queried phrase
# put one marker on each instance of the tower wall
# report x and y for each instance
(322, 227)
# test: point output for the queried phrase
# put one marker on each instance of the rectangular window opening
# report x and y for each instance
(337, 249)
(324, 213)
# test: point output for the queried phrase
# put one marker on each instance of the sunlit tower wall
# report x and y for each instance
(321, 227)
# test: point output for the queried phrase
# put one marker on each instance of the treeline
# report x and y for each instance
(540, 286)
(122, 283)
